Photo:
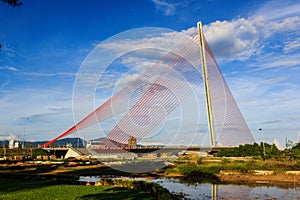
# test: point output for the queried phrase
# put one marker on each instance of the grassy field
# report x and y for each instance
(215, 165)
(50, 190)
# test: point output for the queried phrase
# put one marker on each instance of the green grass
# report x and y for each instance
(49, 190)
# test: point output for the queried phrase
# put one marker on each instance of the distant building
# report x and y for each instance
(17, 144)
(132, 142)
(11, 144)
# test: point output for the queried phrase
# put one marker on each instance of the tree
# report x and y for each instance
(295, 151)
(39, 152)
(263, 150)
(13, 3)
(4, 150)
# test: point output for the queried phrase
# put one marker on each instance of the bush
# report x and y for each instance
(262, 150)
(200, 173)
(154, 189)
(39, 152)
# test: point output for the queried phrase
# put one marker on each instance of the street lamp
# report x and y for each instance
(25, 119)
(264, 150)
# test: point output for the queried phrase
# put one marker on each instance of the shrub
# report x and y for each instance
(262, 150)
(154, 189)
(39, 152)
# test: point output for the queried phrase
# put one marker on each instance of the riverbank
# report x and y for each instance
(235, 170)
(223, 170)
(271, 179)
(20, 188)
(42, 178)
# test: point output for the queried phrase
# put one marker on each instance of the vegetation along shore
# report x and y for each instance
(246, 164)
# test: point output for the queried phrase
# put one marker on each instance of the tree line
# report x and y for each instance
(263, 150)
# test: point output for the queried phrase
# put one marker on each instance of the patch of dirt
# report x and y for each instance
(250, 178)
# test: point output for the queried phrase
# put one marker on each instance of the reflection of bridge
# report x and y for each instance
(160, 89)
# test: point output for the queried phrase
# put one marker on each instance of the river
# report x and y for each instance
(229, 191)
(220, 191)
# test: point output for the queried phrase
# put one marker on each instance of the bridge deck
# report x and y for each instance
(151, 149)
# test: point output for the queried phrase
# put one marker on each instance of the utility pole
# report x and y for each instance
(263, 143)
(25, 119)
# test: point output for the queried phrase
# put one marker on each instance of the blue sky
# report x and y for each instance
(256, 44)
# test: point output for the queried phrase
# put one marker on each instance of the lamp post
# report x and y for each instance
(264, 150)
(25, 119)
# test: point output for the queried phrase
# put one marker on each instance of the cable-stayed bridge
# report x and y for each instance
(160, 89)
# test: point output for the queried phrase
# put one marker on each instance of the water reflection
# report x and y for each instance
(89, 179)
(214, 191)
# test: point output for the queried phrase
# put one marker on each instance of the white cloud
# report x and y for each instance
(143, 48)
(4, 84)
(152, 44)
(161, 39)
(48, 116)
(39, 74)
(237, 39)
(287, 24)
(279, 9)
(292, 45)
(125, 80)
(242, 38)
(269, 61)
(10, 137)
(8, 68)
(167, 8)
(8, 50)
(42, 74)
(263, 100)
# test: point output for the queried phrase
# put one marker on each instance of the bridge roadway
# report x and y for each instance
(160, 149)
